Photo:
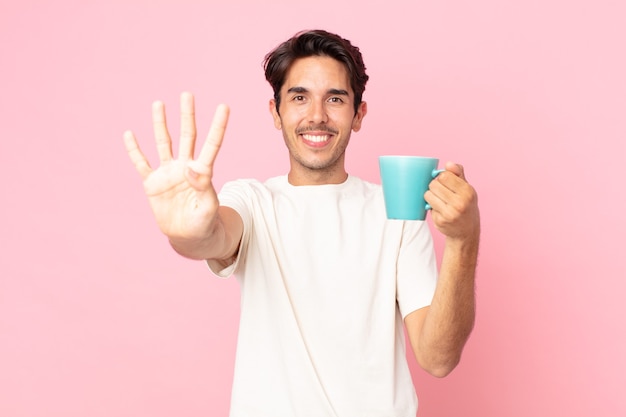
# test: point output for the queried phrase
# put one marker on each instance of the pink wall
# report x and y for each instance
(98, 317)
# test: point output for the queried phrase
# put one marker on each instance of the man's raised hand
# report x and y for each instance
(180, 190)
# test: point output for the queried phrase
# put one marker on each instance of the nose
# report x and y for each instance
(317, 112)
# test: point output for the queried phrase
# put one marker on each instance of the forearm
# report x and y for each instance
(450, 317)
(220, 242)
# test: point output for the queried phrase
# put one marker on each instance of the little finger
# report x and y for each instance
(136, 156)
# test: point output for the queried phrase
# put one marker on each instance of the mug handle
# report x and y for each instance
(436, 172)
(434, 175)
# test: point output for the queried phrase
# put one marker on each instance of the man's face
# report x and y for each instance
(317, 116)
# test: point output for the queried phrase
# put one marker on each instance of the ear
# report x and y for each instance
(274, 111)
(358, 117)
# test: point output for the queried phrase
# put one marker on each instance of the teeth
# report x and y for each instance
(315, 138)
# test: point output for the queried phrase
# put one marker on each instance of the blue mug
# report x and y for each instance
(405, 180)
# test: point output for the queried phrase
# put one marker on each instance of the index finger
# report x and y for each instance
(216, 134)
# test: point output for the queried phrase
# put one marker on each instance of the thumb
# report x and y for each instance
(456, 169)
(198, 176)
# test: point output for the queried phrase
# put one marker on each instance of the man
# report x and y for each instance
(326, 281)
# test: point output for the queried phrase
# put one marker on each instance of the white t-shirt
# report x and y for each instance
(325, 282)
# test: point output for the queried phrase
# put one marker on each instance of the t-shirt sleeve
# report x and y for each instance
(417, 268)
(236, 195)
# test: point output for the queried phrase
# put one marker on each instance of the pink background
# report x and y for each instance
(98, 316)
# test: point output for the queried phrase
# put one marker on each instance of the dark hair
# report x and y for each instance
(315, 43)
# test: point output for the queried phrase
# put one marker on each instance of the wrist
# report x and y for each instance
(465, 248)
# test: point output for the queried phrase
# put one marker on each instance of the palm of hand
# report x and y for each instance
(180, 210)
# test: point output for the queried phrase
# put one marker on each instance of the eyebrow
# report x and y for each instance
(333, 91)
(337, 92)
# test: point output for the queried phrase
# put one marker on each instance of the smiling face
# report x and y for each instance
(317, 116)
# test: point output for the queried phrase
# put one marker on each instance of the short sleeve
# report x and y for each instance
(236, 195)
(416, 269)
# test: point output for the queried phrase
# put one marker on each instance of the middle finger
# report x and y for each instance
(187, 126)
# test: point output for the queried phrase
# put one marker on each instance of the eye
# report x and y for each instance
(337, 100)
(298, 98)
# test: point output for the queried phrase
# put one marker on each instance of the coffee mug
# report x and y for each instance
(405, 180)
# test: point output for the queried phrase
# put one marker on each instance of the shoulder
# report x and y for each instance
(366, 189)
(251, 184)
(365, 184)
(250, 189)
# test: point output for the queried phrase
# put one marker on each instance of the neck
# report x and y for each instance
(316, 177)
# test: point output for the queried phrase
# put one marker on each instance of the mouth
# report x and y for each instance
(316, 139)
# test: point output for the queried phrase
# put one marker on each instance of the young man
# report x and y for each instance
(327, 282)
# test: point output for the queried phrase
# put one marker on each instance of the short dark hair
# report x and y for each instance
(315, 43)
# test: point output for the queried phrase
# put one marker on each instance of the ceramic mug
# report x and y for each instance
(405, 180)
